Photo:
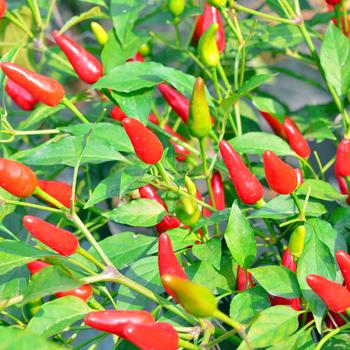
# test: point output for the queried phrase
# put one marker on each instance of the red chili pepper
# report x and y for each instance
(59, 240)
(115, 321)
(275, 124)
(217, 187)
(44, 89)
(169, 221)
(248, 188)
(3, 8)
(86, 65)
(167, 261)
(117, 114)
(299, 176)
(334, 295)
(146, 144)
(17, 178)
(137, 58)
(296, 139)
(288, 261)
(337, 319)
(343, 260)
(20, 96)
(61, 191)
(333, 2)
(37, 265)
(84, 293)
(280, 176)
(342, 162)
(157, 336)
(343, 186)
(244, 279)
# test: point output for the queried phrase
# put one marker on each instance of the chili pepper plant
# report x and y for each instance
(160, 189)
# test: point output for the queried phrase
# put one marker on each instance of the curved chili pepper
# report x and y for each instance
(146, 144)
(169, 221)
(167, 261)
(17, 178)
(117, 114)
(187, 211)
(115, 321)
(288, 261)
(296, 242)
(176, 7)
(195, 299)
(217, 188)
(343, 260)
(296, 139)
(61, 191)
(37, 265)
(100, 34)
(300, 178)
(280, 176)
(248, 188)
(244, 279)
(84, 293)
(275, 124)
(334, 295)
(137, 58)
(207, 47)
(3, 8)
(44, 89)
(59, 240)
(20, 96)
(342, 160)
(88, 68)
(343, 186)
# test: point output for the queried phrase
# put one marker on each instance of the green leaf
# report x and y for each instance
(299, 340)
(338, 342)
(254, 82)
(240, 238)
(217, 217)
(269, 105)
(13, 284)
(321, 190)
(282, 36)
(277, 280)
(209, 251)
(56, 315)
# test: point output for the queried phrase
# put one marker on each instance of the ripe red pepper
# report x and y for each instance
(61, 191)
(280, 176)
(84, 293)
(44, 89)
(169, 221)
(146, 144)
(117, 114)
(137, 58)
(217, 187)
(210, 15)
(86, 65)
(244, 279)
(167, 261)
(275, 124)
(17, 178)
(59, 240)
(248, 188)
(299, 176)
(20, 96)
(342, 161)
(333, 2)
(334, 295)
(337, 319)
(3, 8)
(343, 186)
(37, 265)
(296, 139)
(343, 260)
(288, 261)
(115, 321)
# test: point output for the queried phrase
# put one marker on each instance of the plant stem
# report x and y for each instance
(216, 84)
(299, 206)
(74, 109)
(346, 19)
(187, 345)
(47, 198)
(177, 31)
(330, 335)
(163, 173)
(30, 205)
(206, 173)
(88, 256)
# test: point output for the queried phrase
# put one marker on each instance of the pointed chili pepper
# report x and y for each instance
(343, 186)
(333, 2)
(247, 186)
(296, 139)
(217, 188)
(20, 96)
(44, 89)
(280, 176)
(288, 261)
(300, 178)
(296, 242)
(197, 300)
(58, 239)
(117, 114)
(190, 186)
(37, 265)
(61, 191)
(3, 8)
(84, 293)
(176, 7)
(17, 178)
(88, 68)
(342, 162)
(137, 58)
(275, 124)
(100, 34)
(343, 260)
(187, 211)
(115, 321)
(169, 221)
(207, 48)
(334, 295)
(244, 279)
(146, 144)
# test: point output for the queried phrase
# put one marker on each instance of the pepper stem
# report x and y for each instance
(90, 257)
(66, 102)
(47, 198)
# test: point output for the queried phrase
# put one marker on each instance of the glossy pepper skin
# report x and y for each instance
(217, 187)
(342, 160)
(296, 242)
(3, 8)
(117, 114)
(275, 124)
(176, 7)
(244, 279)
(333, 2)
(59, 240)
(146, 144)
(61, 191)
(334, 295)
(217, 3)
(288, 261)
(42, 88)
(20, 96)
(169, 221)
(99, 32)
(207, 48)
(17, 178)
(299, 176)
(296, 139)
(37, 265)
(197, 300)
(343, 260)
(115, 321)
(280, 176)
(247, 186)
(84, 293)
(88, 68)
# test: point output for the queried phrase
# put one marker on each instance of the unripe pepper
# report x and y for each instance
(296, 139)
(84, 293)
(207, 48)
(280, 176)
(190, 186)
(167, 261)
(247, 186)
(296, 242)
(59, 240)
(61, 191)
(217, 3)
(244, 279)
(17, 178)
(20, 96)
(275, 124)
(3, 8)
(343, 260)
(37, 265)
(334, 295)
(197, 300)
(342, 161)
(176, 7)
(145, 49)
(199, 119)
(187, 211)
(146, 144)
(117, 114)
(44, 89)
(99, 32)
(86, 65)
